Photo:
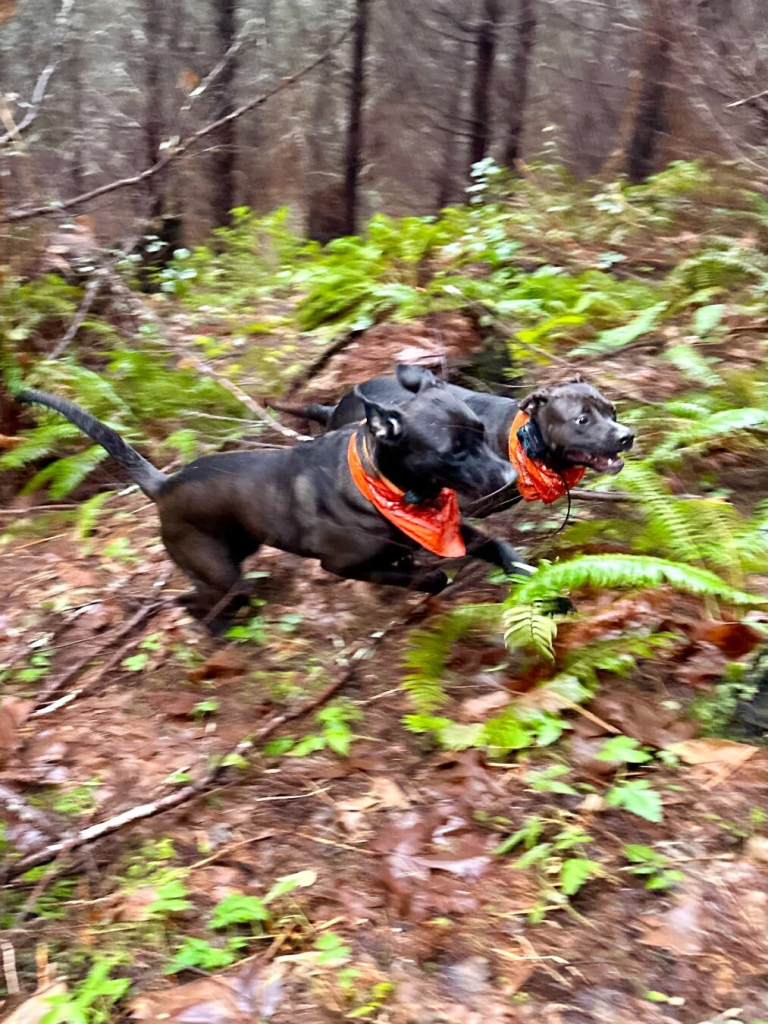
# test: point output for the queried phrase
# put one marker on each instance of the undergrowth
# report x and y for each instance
(553, 267)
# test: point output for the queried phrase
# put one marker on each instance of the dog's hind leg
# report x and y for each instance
(214, 572)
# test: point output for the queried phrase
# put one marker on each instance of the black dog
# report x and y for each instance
(568, 425)
(221, 508)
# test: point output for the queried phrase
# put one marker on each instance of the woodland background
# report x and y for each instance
(405, 99)
(360, 804)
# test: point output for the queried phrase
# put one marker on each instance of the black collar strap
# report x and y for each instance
(532, 442)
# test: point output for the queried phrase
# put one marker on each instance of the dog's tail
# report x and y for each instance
(149, 479)
(315, 413)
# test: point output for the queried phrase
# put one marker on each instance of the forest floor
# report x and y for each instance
(222, 831)
(423, 923)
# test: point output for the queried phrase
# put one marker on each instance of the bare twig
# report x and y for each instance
(242, 37)
(99, 277)
(92, 289)
(747, 99)
(319, 363)
(173, 153)
(585, 495)
(25, 812)
(57, 685)
(258, 411)
(9, 968)
(41, 85)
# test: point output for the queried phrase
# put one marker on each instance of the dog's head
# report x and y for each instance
(578, 426)
(432, 440)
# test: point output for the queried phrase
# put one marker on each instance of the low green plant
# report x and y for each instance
(231, 915)
(556, 851)
(94, 999)
(652, 866)
(335, 733)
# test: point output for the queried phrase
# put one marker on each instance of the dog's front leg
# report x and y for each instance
(426, 581)
(497, 552)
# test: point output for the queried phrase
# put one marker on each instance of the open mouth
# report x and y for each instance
(600, 463)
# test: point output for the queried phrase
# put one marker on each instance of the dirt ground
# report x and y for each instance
(401, 837)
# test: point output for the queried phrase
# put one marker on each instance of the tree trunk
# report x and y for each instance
(153, 89)
(355, 122)
(524, 42)
(485, 43)
(446, 188)
(225, 154)
(78, 134)
(650, 122)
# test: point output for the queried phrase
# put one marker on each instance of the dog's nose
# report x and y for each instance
(626, 439)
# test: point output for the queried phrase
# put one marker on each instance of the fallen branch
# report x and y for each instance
(319, 363)
(180, 149)
(41, 85)
(92, 289)
(206, 781)
(24, 811)
(584, 495)
(58, 684)
(258, 410)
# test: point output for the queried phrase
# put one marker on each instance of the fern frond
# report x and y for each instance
(428, 651)
(528, 626)
(715, 427)
(666, 520)
(38, 443)
(628, 572)
(63, 475)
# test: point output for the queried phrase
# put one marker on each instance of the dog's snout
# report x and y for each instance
(626, 439)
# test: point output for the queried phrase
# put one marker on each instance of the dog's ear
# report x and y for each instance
(384, 422)
(416, 378)
(535, 400)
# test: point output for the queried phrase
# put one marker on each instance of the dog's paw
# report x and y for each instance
(433, 582)
(512, 561)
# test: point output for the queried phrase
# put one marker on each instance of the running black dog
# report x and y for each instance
(362, 499)
(551, 437)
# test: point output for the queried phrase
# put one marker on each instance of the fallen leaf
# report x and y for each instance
(6, 441)
(37, 1006)
(734, 639)
(704, 666)
(187, 81)
(250, 994)
(713, 754)
(13, 714)
(7, 10)
(222, 664)
(389, 794)
(476, 709)
(678, 930)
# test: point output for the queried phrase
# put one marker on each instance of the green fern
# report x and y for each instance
(528, 625)
(606, 572)
(724, 264)
(428, 651)
(709, 429)
(63, 475)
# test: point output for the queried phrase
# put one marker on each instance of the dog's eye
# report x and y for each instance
(583, 420)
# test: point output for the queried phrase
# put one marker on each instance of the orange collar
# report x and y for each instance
(535, 480)
(434, 524)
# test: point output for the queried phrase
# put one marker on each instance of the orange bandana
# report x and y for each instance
(535, 480)
(434, 524)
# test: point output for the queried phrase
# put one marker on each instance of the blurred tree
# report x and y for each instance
(355, 118)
